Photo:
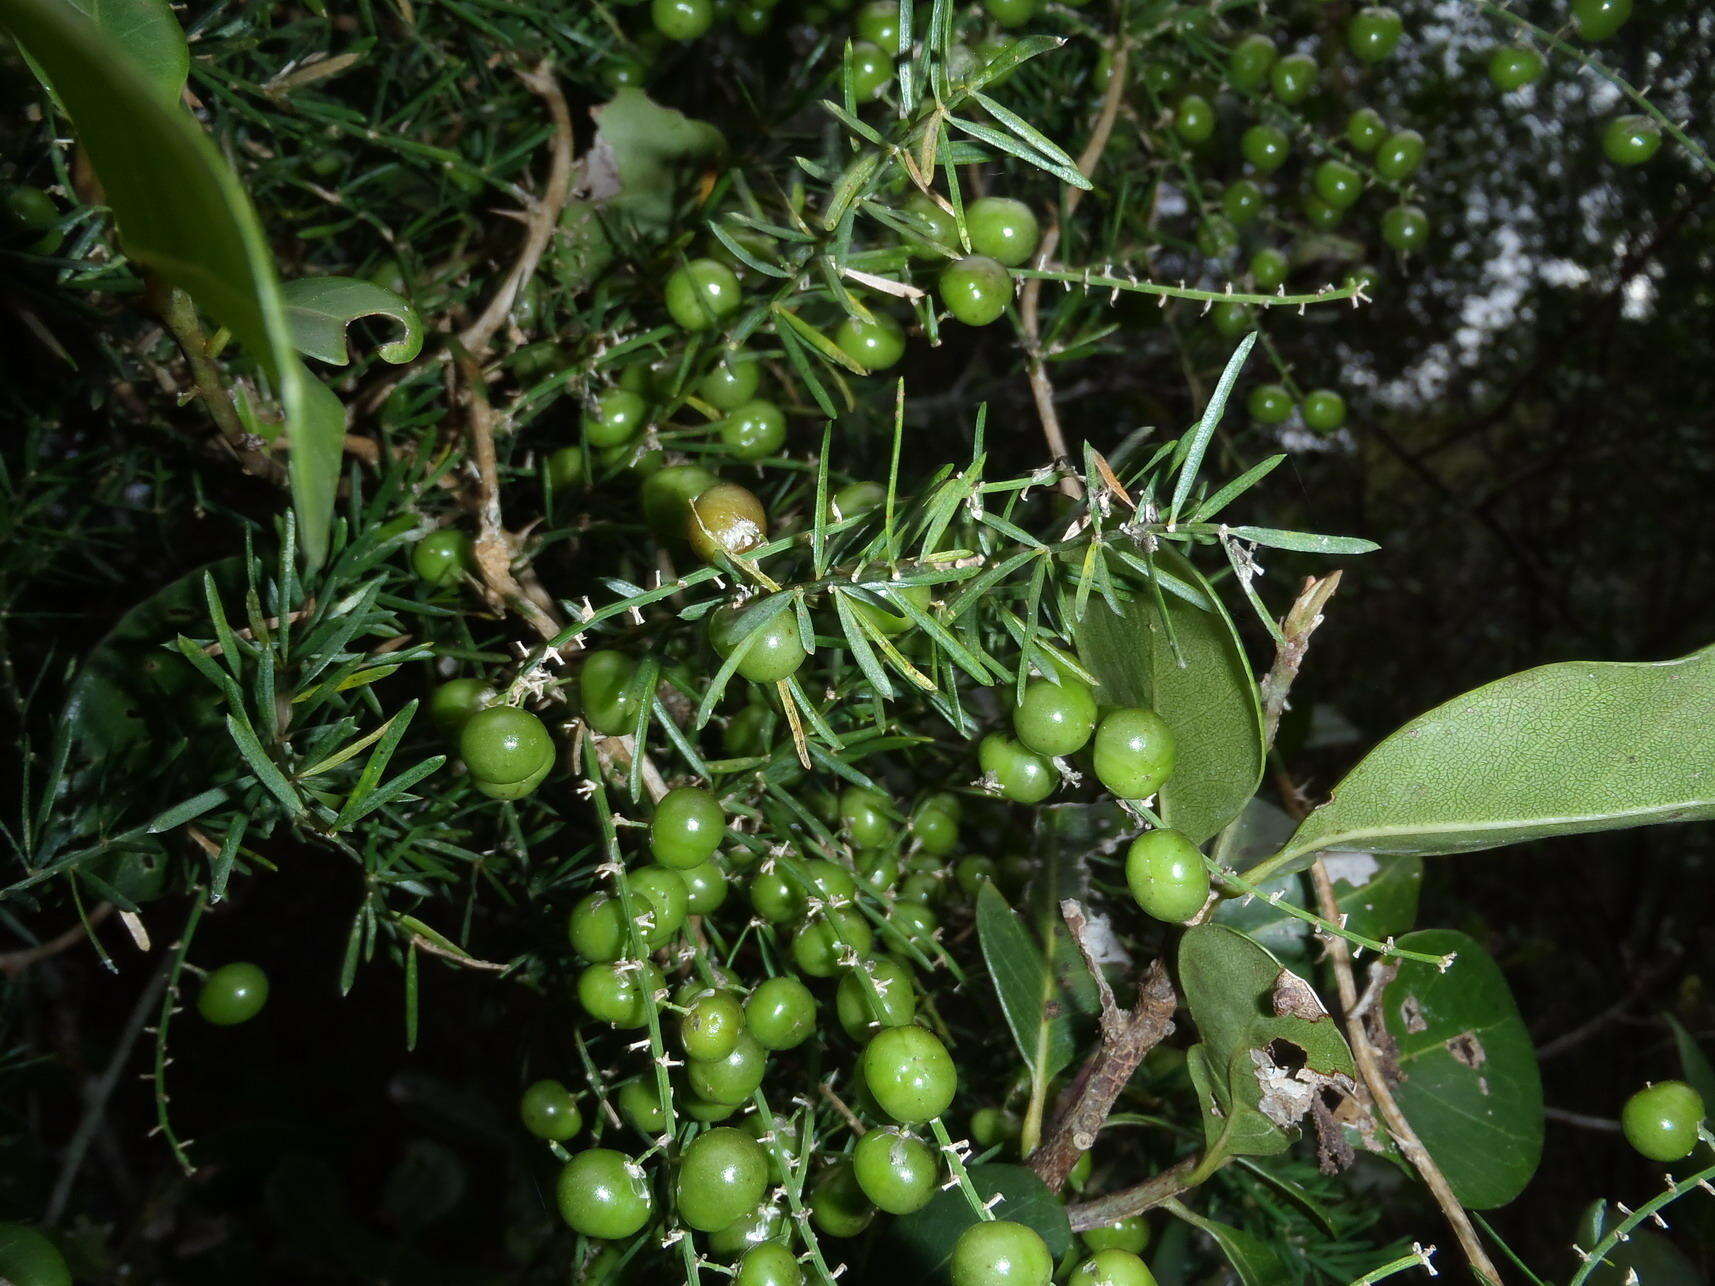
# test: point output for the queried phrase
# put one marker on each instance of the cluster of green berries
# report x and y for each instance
(1322, 410)
(1132, 750)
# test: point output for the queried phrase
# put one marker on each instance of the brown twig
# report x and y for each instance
(1029, 302)
(1296, 628)
(540, 220)
(1126, 1037)
(1133, 1200)
(1375, 1080)
(14, 963)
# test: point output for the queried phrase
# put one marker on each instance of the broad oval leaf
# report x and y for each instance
(1471, 1088)
(1558, 750)
(920, 1244)
(1210, 701)
(319, 309)
(149, 34)
(183, 217)
(1036, 1008)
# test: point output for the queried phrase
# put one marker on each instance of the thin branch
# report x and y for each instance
(1133, 1200)
(1381, 1093)
(14, 963)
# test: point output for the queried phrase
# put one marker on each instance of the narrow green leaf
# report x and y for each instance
(1199, 441)
(272, 779)
(1033, 138)
(1030, 996)
(1307, 542)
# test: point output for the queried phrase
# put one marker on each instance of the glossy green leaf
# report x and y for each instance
(1471, 1088)
(920, 1244)
(1267, 1048)
(184, 218)
(1210, 702)
(319, 309)
(148, 33)
(1255, 1261)
(1030, 995)
(1558, 750)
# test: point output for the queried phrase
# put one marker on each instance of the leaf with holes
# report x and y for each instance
(319, 309)
(1471, 1088)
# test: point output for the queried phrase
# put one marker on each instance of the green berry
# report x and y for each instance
(1232, 319)
(549, 1112)
(858, 498)
(1324, 410)
(1194, 118)
(1019, 774)
(878, 23)
(772, 651)
(1135, 752)
(776, 898)
(503, 744)
(710, 1027)
(596, 928)
(722, 1176)
(887, 622)
(1373, 33)
(769, 1264)
(1011, 13)
(1338, 184)
(780, 1013)
(639, 1105)
(455, 701)
(567, 469)
(1400, 156)
(1293, 77)
(1055, 719)
(731, 1080)
(838, 1205)
(998, 1252)
(1003, 229)
(754, 431)
(603, 1193)
(1130, 1234)
(1599, 19)
(1661, 1120)
(866, 815)
(871, 70)
(1365, 129)
(875, 345)
(1270, 403)
(1513, 67)
(1112, 1268)
(1265, 148)
(1249, 62)
(443, 557)
(666, 495)
(1405, 228)
(1166, 875)
(878, 993)
(705, 887)
(909, 1074)
(605, 690)
(620, 997)
(895, 1171)
(1242, 202)
(701, 294)
(725, 519)
(1630, 139)
(821, 946)
(616, 418)
(732, 381)
(940, 229)
(1269, 268)
(233, 994)
(975, 289)
(682, 19)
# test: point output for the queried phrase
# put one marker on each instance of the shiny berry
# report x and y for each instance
(1514, 66)
(878, 993)
(909, 1074)
(726, 519)
(755, 430)
(710, 1026)
(1269, 268)
(1269, 403)
(1319, 213)
(1194, 118)
(1248, 64)
(838, 1206)
(1020, 775)
(617, 417)
(722, 1177)
(895, 1171)
(997, 1252)
(1011, 13)
(1661, 1120)
(780, 1013)
(1166, 875)
(443, 557)
(1242, 202)
(705, 887)
(1631, 139)
(1373, 33)
(606, 693)
(1293, 77)
(940, 229)
(772, 651)
(1400, 155)
(1135, 753)
(233, 994)
(682, 19)
(821, 946)
(875, 345)
(1112, 1268)
(871, 70)
(616, 996)
(1324, 410)
(1405, 228)
(976, 289)
(639, 1106)
(878, 23)
(503, 744)
(1130, 1234)
(935, 825)
(769, 1263)
(1338, 184)
(603, 1193)
(666, 495)
(1003, 229)
(866, 815)
(732, 382)
(701, 294)
(1265, 147)
(733, 1079)
(1232, 319)
(1599, 19)
(549, 1111)
(1365, 129)
(455, 701)
(775, 897)
(893, 622)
